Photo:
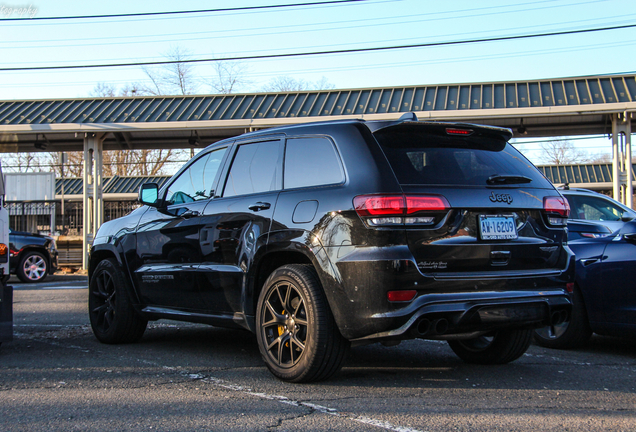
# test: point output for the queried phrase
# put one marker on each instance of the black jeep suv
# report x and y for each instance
(322, 235)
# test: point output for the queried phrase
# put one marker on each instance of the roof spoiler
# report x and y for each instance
(410, 117)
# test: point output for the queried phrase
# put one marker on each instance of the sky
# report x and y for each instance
(283, 30)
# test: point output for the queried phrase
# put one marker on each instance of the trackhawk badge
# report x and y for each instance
(500, 198)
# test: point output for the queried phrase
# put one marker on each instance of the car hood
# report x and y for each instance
(119, 227)
(29, 234)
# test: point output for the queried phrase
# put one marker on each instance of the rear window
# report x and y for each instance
(422, 158)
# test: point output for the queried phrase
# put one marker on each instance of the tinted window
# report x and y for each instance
(254, 169)
(197, 181)
(421, 158)
(592, 208)
(311, 162)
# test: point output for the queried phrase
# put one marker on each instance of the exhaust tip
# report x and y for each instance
(559, 317)
(441, 326)
(423, 326)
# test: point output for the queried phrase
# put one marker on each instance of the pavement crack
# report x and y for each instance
(290, 419)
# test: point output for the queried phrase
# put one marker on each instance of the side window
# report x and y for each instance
(600, 209)
(575, 213)
(311, 162)
(196, 182)
(254, 169)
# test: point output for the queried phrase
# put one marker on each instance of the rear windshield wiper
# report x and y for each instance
(500, 179)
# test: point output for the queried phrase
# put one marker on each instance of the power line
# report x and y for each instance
(431, 16)
(306, 54)
(304, 28)
(366, 66)
(233, 9)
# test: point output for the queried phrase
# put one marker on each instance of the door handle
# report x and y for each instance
(259, 206)
(588, 261)
(189, 213)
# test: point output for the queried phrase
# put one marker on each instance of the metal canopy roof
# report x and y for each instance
(548, 108)
(112, 185)
(594, 176)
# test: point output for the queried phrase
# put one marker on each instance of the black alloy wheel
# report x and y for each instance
(498, 347)
(297, 335)
(285, 324)
(569, 334)
(112, 316)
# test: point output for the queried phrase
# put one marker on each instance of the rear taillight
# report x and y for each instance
(387, 210)
(4, 253)
(592, 235)
(557, 210)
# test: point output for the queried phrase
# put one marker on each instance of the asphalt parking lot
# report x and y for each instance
(185, 377)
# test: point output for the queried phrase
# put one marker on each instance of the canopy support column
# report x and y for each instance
(93, 191)
(622, 176)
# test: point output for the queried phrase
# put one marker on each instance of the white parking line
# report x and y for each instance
(234, 387)
(285, 400)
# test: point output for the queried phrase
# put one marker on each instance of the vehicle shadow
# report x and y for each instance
(414, 363)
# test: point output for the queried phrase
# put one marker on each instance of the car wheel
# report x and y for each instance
(33, 267)
(497, 347)
(570, 334)
(112, 316)
(297, 335)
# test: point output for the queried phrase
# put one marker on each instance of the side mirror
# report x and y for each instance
(149, 194)
(630, 237)
(626, 217)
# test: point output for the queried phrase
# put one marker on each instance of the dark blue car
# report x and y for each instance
(604, 297)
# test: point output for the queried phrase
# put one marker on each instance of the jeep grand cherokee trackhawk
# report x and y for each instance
(322, 235)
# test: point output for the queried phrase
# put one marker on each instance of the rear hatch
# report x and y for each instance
(472, 204)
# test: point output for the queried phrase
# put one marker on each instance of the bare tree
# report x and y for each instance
(601, 158)
(323, 84)
(25, 162)
(229, 76)
(562, 152)
(110, 90)
(103, 90)
(287, 83)
(173, 78)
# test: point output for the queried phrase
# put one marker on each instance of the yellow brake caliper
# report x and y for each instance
(281, 330)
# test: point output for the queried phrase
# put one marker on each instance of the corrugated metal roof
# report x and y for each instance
(111, 185)
(557, 174)
(586, 173)
(477, 96)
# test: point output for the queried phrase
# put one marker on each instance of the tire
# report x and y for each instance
(297, 335)
(33, 267)
(571, 334)
(112, 316)
(497, 347)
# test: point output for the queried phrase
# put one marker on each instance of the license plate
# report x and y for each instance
(497, 227)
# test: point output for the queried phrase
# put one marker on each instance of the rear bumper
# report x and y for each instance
(459, 315)
(446, 305)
